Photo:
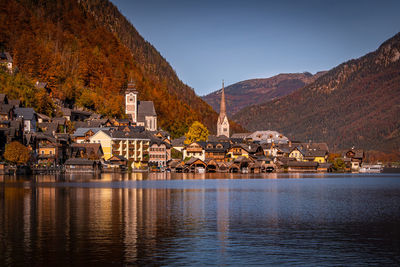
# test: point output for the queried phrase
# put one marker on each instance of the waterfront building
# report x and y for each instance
(159, 153)
(194, 150)
(103, 137)
(223, 123)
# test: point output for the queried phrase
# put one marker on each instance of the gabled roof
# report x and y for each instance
(240, 135)
(129, 135)
(178, 142)
(302, 151)
(26, 113)
(5, 56)
(60, 120)
(155, 140)
(205, 145)
(315, 146)
(43, 117)
(316, 153)
(80, 132)
(193, 160)
(117, 158)
(88, 147)
(5, 108)
(3, 99)
(250, 148)
(145, 108)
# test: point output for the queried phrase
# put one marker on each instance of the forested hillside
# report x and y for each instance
(354, 104)
(87, 51)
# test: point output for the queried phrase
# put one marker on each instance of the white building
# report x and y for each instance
(142, 113)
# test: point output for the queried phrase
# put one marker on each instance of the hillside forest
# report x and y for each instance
(86, 52)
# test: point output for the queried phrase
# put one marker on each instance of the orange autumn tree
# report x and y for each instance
(17, 153)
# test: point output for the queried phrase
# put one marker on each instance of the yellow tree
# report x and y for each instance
(17, 153)
(196, 132)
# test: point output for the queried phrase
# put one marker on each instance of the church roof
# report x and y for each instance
(145, 108)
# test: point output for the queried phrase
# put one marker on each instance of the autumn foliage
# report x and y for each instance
(196, 132)
(17, 153)
(87, 51)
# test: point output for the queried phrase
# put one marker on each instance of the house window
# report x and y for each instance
(51, 152)
(42, 152)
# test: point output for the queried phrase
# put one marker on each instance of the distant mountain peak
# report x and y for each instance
(257, 91)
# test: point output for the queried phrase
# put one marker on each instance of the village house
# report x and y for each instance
(48, 149)
(87, 151)
(29, 118)
(267, 137)
(194, 150)
(82, 165)
(104, 138)
(116, 162)
(83, 135)
(215, 150)
(244, 150)
(297, 153)
(354, 158)
(178, 143)
(75, 115)
(6, 61)
(159, 153)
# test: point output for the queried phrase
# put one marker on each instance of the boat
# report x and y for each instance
(371, 168)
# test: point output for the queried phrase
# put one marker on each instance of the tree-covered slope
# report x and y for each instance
(87, 51)
(354, 104)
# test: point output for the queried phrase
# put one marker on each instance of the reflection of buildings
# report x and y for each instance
(223, 219)
(64, 223)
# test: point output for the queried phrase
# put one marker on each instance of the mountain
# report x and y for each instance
(86, 51)
(258, 91)
(355, 104)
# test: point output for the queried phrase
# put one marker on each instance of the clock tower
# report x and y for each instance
(131, 101)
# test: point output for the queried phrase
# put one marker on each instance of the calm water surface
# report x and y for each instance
(204, 219)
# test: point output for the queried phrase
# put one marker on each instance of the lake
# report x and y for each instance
(200, 219)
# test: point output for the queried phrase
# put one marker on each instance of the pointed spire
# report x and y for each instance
(222, 106)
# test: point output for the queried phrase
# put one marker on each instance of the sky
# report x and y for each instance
(207, 41)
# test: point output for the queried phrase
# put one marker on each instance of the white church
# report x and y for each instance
(142, 113)
(223, 123)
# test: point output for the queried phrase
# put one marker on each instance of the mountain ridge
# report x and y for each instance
(353, 104)
(256, 91)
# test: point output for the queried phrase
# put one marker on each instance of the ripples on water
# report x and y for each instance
(202, 219)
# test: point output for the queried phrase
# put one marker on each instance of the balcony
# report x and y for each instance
(115, 146)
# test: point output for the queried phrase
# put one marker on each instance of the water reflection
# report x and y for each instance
(51, 220)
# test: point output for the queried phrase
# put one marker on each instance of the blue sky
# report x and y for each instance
(207, 41)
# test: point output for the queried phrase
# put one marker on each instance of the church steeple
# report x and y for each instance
(223, 123)
(222, 110)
